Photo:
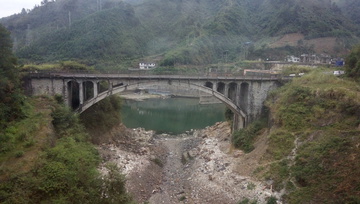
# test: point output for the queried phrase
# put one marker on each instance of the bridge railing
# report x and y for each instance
(141, 73)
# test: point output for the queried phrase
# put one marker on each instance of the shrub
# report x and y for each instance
(71, 65)
(271, 200)
(280, 144)
(229, 114)
(158, 162)
(113, 189)
(19, 154)
(251, 186)
(59, 99)
(244, 138)
(63, 119)
(247, 201)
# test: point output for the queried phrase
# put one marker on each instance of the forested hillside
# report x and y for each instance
(45, 153)
(350, 8)
(179, 31)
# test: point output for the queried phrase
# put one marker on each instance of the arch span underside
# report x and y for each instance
(184, 84)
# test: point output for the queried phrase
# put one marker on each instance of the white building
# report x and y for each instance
(291, 58)
(146, 65)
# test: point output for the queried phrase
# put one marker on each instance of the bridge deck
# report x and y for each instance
(157, 77)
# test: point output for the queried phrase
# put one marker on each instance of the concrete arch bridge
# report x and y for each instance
(243, 95)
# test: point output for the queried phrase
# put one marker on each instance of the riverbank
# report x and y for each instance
(141, 96)
(197, 167)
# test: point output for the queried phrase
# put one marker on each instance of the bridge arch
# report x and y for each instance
(232, 91)
(184, 84)
(103, 86)
(209, 84)
(88, 89)
(73, 90)
(244, 96)
(221, 88)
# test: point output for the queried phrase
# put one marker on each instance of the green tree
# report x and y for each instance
(353, 63)
(11, 98)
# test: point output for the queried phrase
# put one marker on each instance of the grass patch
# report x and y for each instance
(281, 143)
(19, 154)
(158, 162)
(271, 200)
(182, 198)
(247, 201)
(251, 186)
(295, 70)
(278, 172)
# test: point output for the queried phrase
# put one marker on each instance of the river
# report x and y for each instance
(171, 115)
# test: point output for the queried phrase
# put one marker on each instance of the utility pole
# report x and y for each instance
(99, 5)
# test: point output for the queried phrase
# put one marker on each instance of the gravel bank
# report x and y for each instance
(196, 167)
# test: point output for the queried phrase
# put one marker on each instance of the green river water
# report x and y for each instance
(171, 115)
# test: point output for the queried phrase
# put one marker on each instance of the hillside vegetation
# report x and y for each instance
(120, 34)
(313, 140)
(45, 153)
(12, 99)
(49, 159)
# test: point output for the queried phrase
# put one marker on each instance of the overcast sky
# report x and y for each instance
(10, 7)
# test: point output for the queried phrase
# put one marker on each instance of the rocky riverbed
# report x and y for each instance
(197, 167)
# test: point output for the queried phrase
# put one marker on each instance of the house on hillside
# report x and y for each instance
(147, 65)
(316, 59)
(291, 58)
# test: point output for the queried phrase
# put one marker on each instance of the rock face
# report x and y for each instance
(196, 167)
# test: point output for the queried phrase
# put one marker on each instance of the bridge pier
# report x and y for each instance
(81, 93)
(96, 91)
(215, 86)
(110, 87)
(238, 122)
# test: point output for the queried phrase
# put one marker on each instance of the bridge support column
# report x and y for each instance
(81, 93)
(238, 122)
(110, 87)
(237, 95)
(226, 92)
(215, 86)
(96, 91)
(66, 93)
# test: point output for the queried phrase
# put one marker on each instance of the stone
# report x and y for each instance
(238, 153)
(193, 153)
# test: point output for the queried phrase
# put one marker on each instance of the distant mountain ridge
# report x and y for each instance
(181, 31)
